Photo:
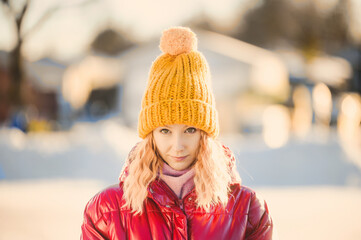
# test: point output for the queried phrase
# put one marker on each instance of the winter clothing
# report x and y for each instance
(179, 89)
(181, 182)
(165, 216)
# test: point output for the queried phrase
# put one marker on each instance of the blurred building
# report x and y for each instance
(92, 88)
(92, 85)
(316, 86)
(4, 87)
(45, 78)
(39, 91)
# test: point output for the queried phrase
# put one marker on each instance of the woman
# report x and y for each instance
(179, 182)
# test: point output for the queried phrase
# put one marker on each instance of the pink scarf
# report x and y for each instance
(181, 182)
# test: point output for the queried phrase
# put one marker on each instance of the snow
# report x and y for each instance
(318, 212)
(44, 209)
(52, 209)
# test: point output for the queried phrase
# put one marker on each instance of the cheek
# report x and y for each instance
(162, 149)
(161, 144)
(195, 143)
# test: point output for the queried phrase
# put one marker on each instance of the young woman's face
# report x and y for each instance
(177, 144)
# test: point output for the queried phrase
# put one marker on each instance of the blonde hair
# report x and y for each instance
(214, 172)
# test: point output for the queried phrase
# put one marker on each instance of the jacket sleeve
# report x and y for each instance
(102, 218)
(90, 229)
(260, 224)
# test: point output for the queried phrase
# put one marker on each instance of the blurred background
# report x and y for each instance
(286, 76)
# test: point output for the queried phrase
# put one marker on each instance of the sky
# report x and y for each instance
(75, 23)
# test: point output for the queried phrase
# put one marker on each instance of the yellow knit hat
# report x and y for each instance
(179, 87)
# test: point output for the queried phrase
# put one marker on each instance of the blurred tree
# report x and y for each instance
(304, 26)
(265, 25)
(16, 63)
(336, 28)
(19, 10)
(110, 42)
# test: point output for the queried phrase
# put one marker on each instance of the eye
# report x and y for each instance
(191, 130)
(164, 131)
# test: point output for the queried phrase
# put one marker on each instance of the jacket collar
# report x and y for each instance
(160, 192)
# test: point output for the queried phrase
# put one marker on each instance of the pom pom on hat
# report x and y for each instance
(178, 40)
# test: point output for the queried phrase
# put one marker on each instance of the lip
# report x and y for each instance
(179, 158)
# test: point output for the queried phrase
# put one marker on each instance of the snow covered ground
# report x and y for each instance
(312, 190)
(315, 213)
(52, 209)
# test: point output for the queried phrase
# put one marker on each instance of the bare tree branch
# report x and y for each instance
(17, 72)
(51, 11)
(19, 20)
(7, 3)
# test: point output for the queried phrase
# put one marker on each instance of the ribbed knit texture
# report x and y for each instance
(180, 181)
(179, 92)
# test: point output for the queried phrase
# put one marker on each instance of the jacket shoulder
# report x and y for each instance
(100, 210)
(259, 221)
(108, 200)
(242, 192)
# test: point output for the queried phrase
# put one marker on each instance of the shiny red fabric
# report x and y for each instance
(166, 217)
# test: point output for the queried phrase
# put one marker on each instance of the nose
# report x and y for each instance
(178, 143)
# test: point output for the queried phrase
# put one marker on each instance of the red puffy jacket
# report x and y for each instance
(167, 217)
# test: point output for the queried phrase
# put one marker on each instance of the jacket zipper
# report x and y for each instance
(181, 204)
